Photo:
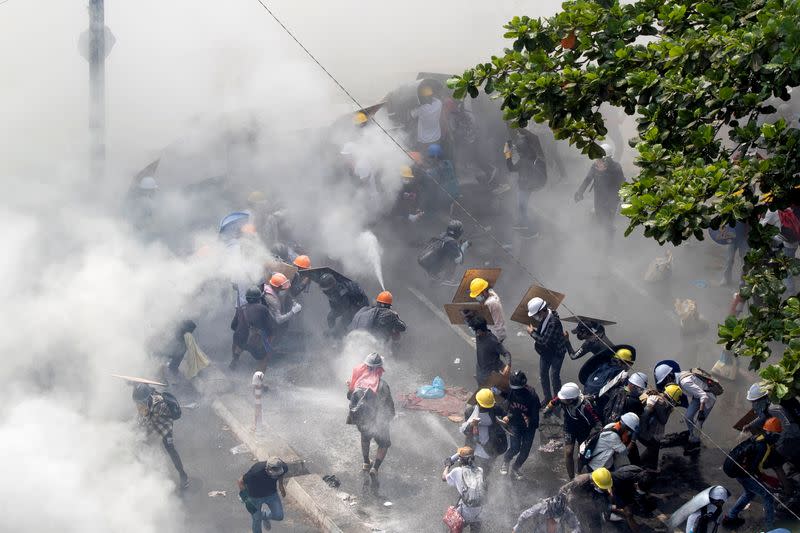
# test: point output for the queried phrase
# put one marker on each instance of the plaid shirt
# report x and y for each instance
(158, 417)
(549, 341)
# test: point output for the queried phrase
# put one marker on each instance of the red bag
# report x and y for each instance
(790, 224)
(453, 520)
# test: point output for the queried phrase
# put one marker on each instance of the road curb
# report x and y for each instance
(310, 492)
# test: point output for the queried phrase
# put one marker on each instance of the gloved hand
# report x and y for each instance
(296, 307)
(578, 197)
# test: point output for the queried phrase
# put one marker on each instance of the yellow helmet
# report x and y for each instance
(624, 354)
(485, 398)
(256, 197)
(360, 118)
(477, 286)
(602, 478)
(674, 391)
(406, 172)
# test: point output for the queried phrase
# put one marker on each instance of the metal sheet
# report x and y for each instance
(279, 266)
(316, 273)
(583, 318)
(489, 274)
(454, 312)
(553, 299)
(134, 379)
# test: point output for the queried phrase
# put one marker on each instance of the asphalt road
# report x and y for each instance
(306, 400)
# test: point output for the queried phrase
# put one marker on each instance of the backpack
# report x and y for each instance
(498, 440)
(741, 454)
(362, 407)
(714, 386)
(790, 224)
(355, 295)
(586, 449)
(364, 319)
(474, 489)
(172, 404)
(429, 255)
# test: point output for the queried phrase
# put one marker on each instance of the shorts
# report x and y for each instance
(571, 438)
(380, 435)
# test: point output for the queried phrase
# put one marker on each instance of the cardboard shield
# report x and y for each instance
(279, 266)
(679, 517)
(491, 275)
(134, 379)
(316, 273)
(748, 417)
(553, 299)
(455, 312)
(577, 319)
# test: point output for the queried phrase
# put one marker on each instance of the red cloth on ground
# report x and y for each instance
(365, 377)
(452, 404)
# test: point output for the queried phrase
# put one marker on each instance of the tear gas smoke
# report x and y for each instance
(368, 242)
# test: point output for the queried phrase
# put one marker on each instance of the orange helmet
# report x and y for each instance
(279, 281)
(773, 425)
(302, 261)
(384, 298)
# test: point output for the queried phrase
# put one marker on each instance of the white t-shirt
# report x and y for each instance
(496, 309)
(609, 450)
(428, 128)
(456, 479)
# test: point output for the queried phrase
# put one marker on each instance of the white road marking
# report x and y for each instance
(440, 314)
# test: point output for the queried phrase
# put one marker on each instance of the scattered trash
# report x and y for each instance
(521, 334)
(192, 405)
(344, 496)
(387, 504)
(660, 268)
(225, 428)
(215, 493)
(456, 418)
(700, 283)
(692, 322)
(433, 391)
(332, 481)
(241, 448)
(551, 446)
(457, 361)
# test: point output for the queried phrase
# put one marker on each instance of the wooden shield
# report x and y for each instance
(489, 274)
(552, 298)
(748, 417)
(454, 312)
(134, 379)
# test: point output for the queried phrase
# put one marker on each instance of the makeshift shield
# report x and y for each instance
(456, 312)
(491, 275)
(743, 422)
(273, 265)
(679, 517)
(134, 379)
(553, 299)
(316, 273)
(592, 364)
(578, 319)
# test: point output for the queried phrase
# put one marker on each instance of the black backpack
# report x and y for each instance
(741, 454)
(362, 407)
(429, 256)
(173, 405)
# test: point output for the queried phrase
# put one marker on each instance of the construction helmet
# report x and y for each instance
(630, 421)
(148, 183)
(773, 425)
(756, 392)
(406, 172)
(279, 281)
(141, 392)
(384, 297)
(718, 493)
(374, 360)
(518, 380)
(426, 90)
(624, 354)
(608, 148)
(252, 295)
(662, 371)
(327, 281)
(602, 478)
(477, 286)
(360, 118)
(435, 150)
(638, 379)
(535, 305)
(674, 392)
(485, 398)
(302, 261)
(569, 391)
(455, 228)
(466, 452)
(256, 197)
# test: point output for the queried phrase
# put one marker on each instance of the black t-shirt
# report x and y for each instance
(260, 484)
(488, 351)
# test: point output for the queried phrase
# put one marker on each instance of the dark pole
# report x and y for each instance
(97, 88)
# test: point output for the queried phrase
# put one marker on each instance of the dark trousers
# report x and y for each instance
(550, 372)
(520, 445)
(169, 445)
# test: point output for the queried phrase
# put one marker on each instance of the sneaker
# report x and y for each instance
(504, 469)
(516, 473)
(366, 466)
(691, 448)
(267, 523)
(184, 483)
(731, 522)
(373, 475)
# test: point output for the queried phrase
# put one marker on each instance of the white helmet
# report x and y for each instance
(608, 148)
(148, 183)
(631, 421)
(349, 148)
(639, 379)
(535, 305)
(756, 392)
(374, 360)
(662, 371)
(719, 493)
(569, 391)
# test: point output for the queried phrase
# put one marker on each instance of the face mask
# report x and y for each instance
(480, 298)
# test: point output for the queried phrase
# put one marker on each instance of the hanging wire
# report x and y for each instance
(491, 235)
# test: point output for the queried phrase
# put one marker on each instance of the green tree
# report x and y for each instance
(700, 77)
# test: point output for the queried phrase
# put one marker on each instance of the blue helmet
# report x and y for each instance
(435, 150)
